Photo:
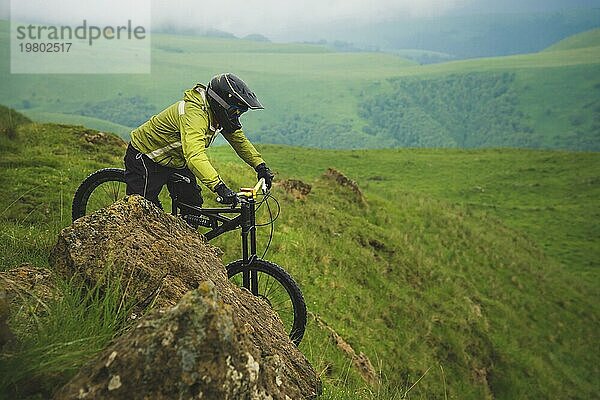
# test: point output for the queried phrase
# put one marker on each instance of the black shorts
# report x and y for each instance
(147, 178)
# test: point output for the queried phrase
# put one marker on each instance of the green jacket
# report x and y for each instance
(179, 135)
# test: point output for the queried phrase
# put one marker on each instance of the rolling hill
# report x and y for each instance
(582, 40)
(474, 270)
(320, 98)
(474, 33)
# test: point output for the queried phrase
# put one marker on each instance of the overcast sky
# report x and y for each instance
(285, 20)
(274, 18)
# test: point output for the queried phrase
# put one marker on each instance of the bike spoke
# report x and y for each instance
(116, 189)
(269, 285)
(104, 195)
(273, 291)
(274, 294)
(108, 190)
(283, 304)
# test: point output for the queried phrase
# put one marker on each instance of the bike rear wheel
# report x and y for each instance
(279, 290)
(100, 189)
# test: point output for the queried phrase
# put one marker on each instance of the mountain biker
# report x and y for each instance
(175, 140)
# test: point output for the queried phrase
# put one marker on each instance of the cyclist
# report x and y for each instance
(175, 140)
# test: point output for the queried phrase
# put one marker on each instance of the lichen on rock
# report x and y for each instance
(198, 363)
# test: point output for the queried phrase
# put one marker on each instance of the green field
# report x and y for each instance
(316, 97)
(476, 270)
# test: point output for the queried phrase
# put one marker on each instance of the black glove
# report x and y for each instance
(226, 195)
(262, 171)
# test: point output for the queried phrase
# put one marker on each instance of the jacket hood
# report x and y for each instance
(194, 95)
(198, 95)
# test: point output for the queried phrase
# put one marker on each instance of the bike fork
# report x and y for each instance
(250, 278)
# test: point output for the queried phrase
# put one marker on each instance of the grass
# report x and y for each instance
(90, 122)
(9, 122)
(482, 262)
(54, 342)
(320, 91)
(470, 241)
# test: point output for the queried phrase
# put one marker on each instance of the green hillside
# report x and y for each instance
(10, 120)
(72, 119)
(579, 41)
(319, 98)
(489, 109)
(476, 270)
(303, 74)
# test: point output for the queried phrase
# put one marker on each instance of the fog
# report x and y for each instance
(275, 18)
(279, 20)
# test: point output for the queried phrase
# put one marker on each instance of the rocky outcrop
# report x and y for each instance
(92, 138)
(296, 188)
(195, 350)
(218, 341)
(360, 361)
(25, 289)
(26, 284)
(345, 182)
(157, 257)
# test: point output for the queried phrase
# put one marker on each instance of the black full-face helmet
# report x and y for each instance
(229, 97)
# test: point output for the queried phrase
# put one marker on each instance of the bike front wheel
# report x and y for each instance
(274, 285)
(100, 189)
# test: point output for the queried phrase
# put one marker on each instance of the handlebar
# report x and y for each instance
(250, 192)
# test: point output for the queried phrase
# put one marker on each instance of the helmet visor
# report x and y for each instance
(239, 90)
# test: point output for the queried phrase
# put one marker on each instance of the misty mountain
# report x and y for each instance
(467, 35)
(520, 6)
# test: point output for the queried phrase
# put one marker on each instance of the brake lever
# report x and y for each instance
(239, 201)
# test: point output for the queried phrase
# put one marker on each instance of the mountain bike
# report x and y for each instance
(262, 278)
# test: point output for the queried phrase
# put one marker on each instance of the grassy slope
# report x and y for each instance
(40, 169)
(323, 90)
(512, 232)
(480, 264)
(93, 123)
(556, 91)
(582, 40)
(305, 73)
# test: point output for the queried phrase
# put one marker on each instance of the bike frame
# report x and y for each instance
(220, 224)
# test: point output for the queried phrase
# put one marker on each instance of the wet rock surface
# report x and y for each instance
(218, 341)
